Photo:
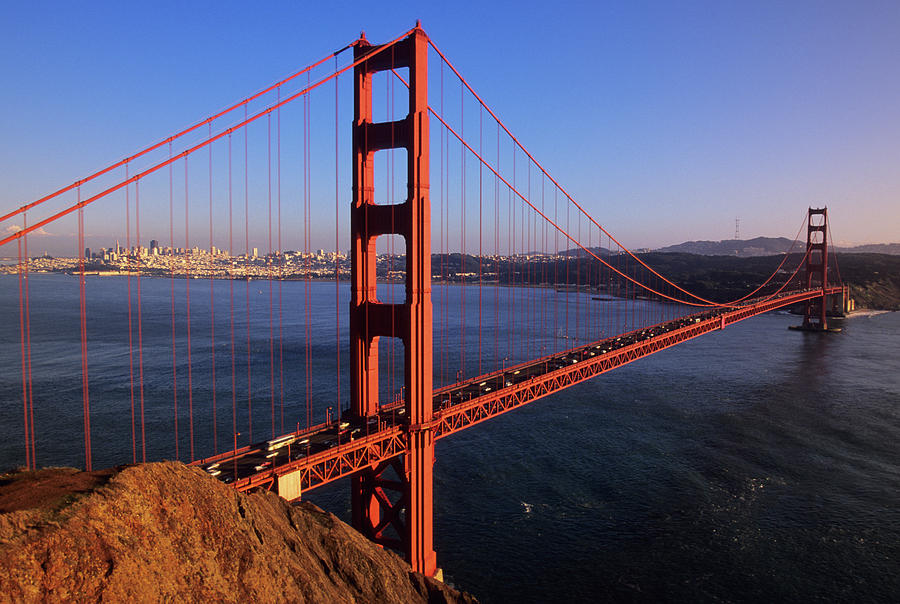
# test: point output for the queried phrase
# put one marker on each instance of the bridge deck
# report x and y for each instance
(334, 450)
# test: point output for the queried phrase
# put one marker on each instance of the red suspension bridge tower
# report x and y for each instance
(814, 317)
(391, 466)
(392, 502)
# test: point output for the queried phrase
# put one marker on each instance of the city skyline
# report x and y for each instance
(696, 115)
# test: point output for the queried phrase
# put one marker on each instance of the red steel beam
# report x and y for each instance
(340, 461)
(366, 453)
(461, 416)
(410, 321)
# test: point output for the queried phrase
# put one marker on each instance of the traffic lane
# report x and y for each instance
(261, 458)
(470, 390)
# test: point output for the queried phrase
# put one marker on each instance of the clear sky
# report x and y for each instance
(667, 120)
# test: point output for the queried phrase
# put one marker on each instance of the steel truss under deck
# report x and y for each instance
(373, 451)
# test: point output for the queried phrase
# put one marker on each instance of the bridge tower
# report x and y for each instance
(816, 268)
(395, 495)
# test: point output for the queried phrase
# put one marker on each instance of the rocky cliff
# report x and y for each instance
(167, 532)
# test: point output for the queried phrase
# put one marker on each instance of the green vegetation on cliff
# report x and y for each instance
(874, 279)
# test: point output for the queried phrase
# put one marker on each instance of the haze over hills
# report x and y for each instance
(742, 248)
(873, 248)
(726, 270)
(766, 246)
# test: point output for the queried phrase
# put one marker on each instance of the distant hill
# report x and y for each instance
(874, 248)
(580, 253)
(874, 279)
(760, 246)
(765, 246)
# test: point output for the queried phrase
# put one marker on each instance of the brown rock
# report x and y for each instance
(168, 532)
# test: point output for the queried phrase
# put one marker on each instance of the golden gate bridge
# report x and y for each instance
(445, 210)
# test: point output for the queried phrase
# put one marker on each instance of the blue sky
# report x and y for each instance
(666, 120)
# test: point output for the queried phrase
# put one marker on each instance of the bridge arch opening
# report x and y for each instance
(816, 257)
(390, 268)
(392, 371)
(389, 94)
(389, 171)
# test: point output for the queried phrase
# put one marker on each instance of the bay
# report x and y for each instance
(750, 464)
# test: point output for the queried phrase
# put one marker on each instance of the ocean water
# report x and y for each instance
(752, 464)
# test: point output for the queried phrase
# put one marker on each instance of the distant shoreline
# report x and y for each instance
(866, 312)
(874, 279)
(158, 275)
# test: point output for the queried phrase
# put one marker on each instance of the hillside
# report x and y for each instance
(167, 532)
(766, 246)
(760, 246)
(874, 279)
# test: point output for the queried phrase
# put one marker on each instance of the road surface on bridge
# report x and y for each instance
(339, 447)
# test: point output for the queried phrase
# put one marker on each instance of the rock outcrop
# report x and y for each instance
(167, 532)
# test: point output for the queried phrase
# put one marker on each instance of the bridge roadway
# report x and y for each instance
(336, 449)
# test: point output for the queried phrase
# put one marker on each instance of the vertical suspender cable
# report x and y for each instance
(480, 218)
(28, 346)
(462, 240)
(234, 432)
(443, 375)
(212, 307)
(510, 279)
(337, 240)
(526, 273)
(389, 193)
(587, 322)
(306, 248)
(247, 283)
(514, 357)
(281, 260)
(496, 254)
(20, 271)
(269, 267)
(187, 299)
(555, 270)
(172, 298)
(130, 328)
(83, 315)
(140, 319)
(542, 323)
(578, 264)
(567, 281)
